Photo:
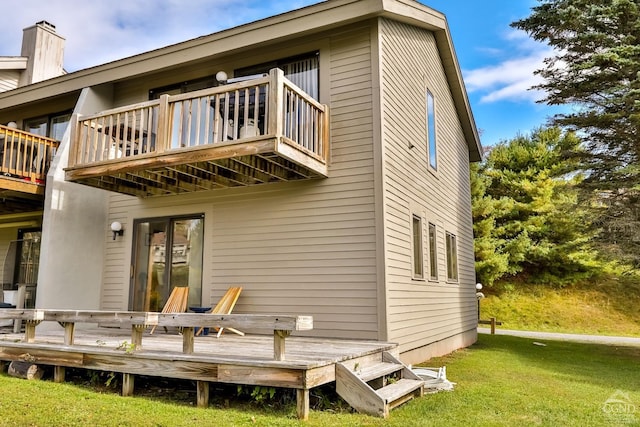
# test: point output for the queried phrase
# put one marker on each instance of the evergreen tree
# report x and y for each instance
(596, 68)
(525, 207)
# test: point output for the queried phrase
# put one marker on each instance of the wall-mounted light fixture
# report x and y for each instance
(221, 77)
(116, 228)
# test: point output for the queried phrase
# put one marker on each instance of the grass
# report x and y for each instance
(606, 306)
(501, 381)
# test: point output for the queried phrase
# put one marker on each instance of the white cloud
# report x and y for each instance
(513, 78)
(100, 31)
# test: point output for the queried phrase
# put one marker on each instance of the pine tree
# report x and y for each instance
(596, 69)
(526, 214)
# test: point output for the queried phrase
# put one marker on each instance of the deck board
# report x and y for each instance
(303, 353)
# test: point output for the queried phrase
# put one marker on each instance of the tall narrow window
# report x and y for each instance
(431, 131)
(433, 254)
(418, 267)
(452, 257)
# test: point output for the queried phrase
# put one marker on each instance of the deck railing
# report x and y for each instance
(25, 155)
(266, 107)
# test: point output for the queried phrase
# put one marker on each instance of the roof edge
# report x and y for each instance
(13, 62)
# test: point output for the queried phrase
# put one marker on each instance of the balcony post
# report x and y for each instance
(276, 102)
(164, 117)
(324, 138)
(75, 140)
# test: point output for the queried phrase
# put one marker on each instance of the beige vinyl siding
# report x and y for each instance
(9, 80)
(297, 248)
(421, 312)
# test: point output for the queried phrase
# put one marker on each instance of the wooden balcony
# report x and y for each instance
(24, 161)
(257, 131)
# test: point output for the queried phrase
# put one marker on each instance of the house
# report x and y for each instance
(41, 58)
(319, 158)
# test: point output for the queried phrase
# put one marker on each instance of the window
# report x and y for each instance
(184, 87)
(433, 254)
(431, 131)
(418, 267)
(301, 70)
(28, 258)
(167, 252)
(452, 257)
(52, 126)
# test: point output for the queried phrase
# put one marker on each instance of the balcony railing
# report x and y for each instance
(24, 155)
(179, 129)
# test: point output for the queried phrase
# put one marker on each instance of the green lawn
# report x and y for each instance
(501, 381)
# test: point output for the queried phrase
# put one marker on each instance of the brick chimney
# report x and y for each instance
(44, 50)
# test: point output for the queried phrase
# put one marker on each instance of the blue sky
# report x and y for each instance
(497, 61)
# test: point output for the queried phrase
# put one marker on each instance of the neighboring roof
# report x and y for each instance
(13, 63)
(308, 20)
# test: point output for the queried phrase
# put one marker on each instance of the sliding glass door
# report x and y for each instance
(167, 252)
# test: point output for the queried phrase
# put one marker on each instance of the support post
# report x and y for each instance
(59, 374)
(203, 394)
(278, 343)
(187, 340)
(22, 291)
(276, 101)
(162, 137)
(127, 384)
(69, 328)
(493, 326)
(302, 403)
(136, 335)
(30, 330)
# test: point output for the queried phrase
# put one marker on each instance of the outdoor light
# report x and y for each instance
(221, 77)
(479, 296)
(116, 228)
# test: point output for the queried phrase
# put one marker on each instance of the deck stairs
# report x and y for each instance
(375, 386)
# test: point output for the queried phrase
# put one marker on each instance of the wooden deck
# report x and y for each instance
(247, 360)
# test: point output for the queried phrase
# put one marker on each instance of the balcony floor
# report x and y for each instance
(257, 161)
(18, 195)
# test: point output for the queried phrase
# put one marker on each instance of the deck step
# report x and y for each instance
(394, 385)
(400, 391)
(378, 370)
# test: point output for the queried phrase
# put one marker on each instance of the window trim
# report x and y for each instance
(417, 259)
(451, 245)
(431, 136)
(433, 251)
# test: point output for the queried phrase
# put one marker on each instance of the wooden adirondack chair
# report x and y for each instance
(225, 306)
(177, 302)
